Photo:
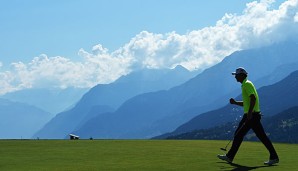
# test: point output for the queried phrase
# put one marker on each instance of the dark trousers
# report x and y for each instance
(243, 127)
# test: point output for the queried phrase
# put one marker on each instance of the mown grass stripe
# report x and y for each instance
(136, 155)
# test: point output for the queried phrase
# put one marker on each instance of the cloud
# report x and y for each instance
(261, 26)
(44, 71)
(258, 25)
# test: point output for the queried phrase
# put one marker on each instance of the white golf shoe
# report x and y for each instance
(271, 162)
(225, 158)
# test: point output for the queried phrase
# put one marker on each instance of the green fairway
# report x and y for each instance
(137, 155)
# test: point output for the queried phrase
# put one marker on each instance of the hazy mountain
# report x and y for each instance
(142, 81)
(107, 97)
(51, 100)
(155, 113)
(281, 127)
(18, 120)
(278, 74)
(273, 99)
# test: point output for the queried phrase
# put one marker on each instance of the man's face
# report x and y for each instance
(238, 78)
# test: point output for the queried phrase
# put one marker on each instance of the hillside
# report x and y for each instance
(105, 98)
(19, 120)
(57, 100)
(152, 114)
(285, 91)
(282, 127)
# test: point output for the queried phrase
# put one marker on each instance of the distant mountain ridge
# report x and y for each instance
(273, 99)
(19, 120)
(151, 114)
(281, 127)
(52, 100)
(155, 113)
(105, 98)
(138, 82)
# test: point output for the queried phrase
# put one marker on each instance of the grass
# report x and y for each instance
(88, 155)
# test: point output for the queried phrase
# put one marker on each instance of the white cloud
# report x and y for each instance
(258, 25)
(43, 71)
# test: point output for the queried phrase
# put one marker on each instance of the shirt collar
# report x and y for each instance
(244, 81)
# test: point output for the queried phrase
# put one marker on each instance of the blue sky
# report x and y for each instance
(81, 43)
(61, 27)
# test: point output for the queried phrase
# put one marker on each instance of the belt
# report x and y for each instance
(255, 113)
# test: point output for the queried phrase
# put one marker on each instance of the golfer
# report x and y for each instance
(251, 119)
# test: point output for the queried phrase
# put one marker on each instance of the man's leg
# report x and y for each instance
(241, 131)
(260, 133)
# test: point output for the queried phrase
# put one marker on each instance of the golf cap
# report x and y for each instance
(239, 70)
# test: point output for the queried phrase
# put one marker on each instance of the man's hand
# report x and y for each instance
(232, 101)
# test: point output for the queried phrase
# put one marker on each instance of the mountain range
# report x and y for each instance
(19, 120)
(155, 113)
(281, 127)
(53, 100)
(273, 100)
(107, 97)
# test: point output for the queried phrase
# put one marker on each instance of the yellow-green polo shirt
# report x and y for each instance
(248, 89)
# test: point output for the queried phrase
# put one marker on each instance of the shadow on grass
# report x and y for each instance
(238, 167)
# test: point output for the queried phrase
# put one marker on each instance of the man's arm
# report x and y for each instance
(233, 101)
(251, 106)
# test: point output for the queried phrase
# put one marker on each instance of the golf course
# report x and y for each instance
(154, 155)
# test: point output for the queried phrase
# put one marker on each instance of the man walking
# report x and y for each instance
(251, 119)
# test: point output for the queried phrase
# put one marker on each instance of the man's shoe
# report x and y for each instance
(271, 162)
(225, 158)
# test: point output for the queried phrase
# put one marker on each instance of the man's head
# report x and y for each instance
(240, 74)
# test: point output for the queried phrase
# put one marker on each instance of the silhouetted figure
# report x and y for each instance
(250, 120)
